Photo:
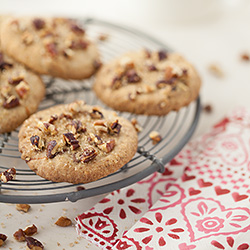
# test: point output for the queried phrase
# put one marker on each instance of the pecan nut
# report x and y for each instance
(3, 238)
(71, 140)
(114, 128)
(11, 102)
(19, 235)
(8, 175)
(88, 155)
(33, 244)
(22, 89)
(107, 146)
(30, 230)
(63, 222)
(23, 207)
(51, 149)
(155, 137)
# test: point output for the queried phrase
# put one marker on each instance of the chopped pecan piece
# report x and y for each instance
(52, 49)
(96, 114)
(47, 128)
(162, 55)
(53, 118)
(33, 244)
(15, 80)
(88, 155)
(94, 139)
(107, 146)
(11, 102)
(3, 238)
(22, 89)
(162, 83)
(127, 63)
(132, 76)
(168, 73)
(30, 230)
(51, 149)
(75, 107)
(75, 127)
(19, 235)
(68, 52)
(155, 137)
(136, 125)
(3, 64)
(5, 91)
(116, 82)
(77, 29)
(27, 38)
(38, 23)
(97, 64)
(71, 140)
(65, 115)
(23, 207)
(114, 128)
(152, 67)
(80, 44)
(37, 142)
(8, 175)
(63, 222)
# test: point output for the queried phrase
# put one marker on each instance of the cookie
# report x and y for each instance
(21, 91)
(76, 143)
(150, 83)
(50, 46)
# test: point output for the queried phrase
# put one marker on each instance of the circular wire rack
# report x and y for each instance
(176, 128)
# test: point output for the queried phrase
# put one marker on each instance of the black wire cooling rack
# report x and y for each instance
(176, 129)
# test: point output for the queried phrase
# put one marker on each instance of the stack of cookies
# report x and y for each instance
(75, 142)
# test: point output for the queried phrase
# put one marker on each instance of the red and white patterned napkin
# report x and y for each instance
(201, 201)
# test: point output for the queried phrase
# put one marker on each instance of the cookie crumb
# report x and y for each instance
(155, 137)
(136, 125)
(63, 222)
(208, 108)
(8, 175)
(216, 70)
(23, 207)
(245, 57)
(103, 37)
(79, 188)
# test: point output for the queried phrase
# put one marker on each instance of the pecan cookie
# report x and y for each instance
(21, 91)
(150, 83)
(76, 142)
(51, 46)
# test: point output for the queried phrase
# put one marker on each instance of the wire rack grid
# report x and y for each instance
(176, 128)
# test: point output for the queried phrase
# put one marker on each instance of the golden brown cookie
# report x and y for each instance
(21, 91)
(76, 142)
(51, 46)
(150, 83)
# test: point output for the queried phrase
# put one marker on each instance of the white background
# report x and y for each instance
(204, 31)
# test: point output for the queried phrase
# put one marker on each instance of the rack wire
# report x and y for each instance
(176, 128)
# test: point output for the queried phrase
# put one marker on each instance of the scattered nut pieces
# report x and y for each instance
(63, 222)
(208, 108)
(155, 137)
(136, 125)
(3, 238)
(215, 70)
(19, 235)
(33, 244)
(8, 175)
(22, 207)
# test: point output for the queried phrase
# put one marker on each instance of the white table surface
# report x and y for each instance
(217, 37)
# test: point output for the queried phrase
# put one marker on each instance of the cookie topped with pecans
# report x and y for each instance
(147, 82)
(21, 91)
(76, 143)
(53, 46)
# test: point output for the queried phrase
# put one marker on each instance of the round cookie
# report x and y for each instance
(150, 83)
(51, 46)
(76, 143)
(21, 91)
